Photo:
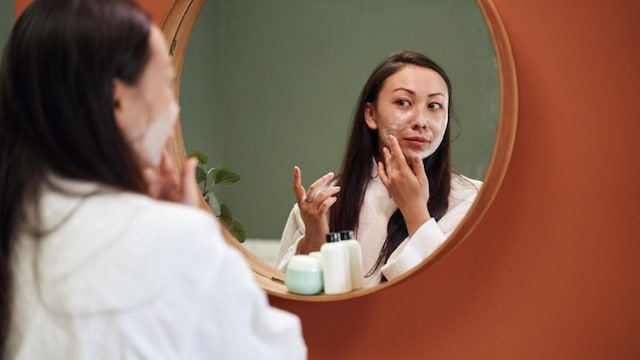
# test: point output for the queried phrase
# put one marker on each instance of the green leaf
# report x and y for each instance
(201, 174)
(214, 204)
(220, 175)
(224, 175)
(225, 215)
(202, 157)
(238, 231)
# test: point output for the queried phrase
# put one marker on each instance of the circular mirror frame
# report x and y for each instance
(177, 25)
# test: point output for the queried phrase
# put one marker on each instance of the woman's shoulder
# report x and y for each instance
(463, 188)
(168, 227)
(460, 181)
(130, 244)
(90, 205)
(163, 215)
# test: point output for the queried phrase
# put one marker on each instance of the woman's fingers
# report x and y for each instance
(321, 198)
(326, 203)
(298, 189)
(318, 186)
(393, 157)
(382, 173)
(149, 176)
(167, 183)
(418, 169)
(314, 205)
(320, 195)
(396, 150)
(190, 192)
(386, 156)
(168, 170)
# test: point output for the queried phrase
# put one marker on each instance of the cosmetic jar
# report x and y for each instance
(304, 275)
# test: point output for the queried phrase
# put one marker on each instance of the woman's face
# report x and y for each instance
(146, 112)
(413, 106)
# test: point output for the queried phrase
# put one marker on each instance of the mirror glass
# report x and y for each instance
(267, 85)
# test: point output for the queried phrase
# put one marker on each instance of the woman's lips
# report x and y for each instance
(417, 141)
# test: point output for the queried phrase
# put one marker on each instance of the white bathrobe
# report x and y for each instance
(123, 276)
(376, 210)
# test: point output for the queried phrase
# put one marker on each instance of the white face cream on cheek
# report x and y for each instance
(399, 129)
(394, 127)
(439, 131)
(150, 145)
(385, 132)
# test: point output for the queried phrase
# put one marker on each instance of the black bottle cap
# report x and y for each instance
(333, 237)
(346, 235)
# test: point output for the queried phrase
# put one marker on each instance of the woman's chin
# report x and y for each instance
(411, 154)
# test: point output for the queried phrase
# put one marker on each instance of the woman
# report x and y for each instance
(92, 266)
(396, 187)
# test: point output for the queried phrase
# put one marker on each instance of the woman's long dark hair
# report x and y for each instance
(57, 108)
(362, 147)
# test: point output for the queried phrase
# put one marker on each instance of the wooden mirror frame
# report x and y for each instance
(177, 25)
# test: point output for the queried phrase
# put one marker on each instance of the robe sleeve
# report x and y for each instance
(213, 306)
(291, 236)
(431, 235)
(242, 324)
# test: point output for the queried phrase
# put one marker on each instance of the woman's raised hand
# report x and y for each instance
(314, 207)
(169, 184)
(408, 186)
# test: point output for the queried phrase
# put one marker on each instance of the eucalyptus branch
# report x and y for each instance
(223, 175)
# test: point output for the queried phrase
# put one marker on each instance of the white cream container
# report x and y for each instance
(304, 275)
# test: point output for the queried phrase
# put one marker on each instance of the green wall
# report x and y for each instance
(267, 85)
(7, 18)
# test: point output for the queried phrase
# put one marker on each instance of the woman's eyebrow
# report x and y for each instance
(413, 92)
(404, 89)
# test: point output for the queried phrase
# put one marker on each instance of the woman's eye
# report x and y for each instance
(403, 102)
(435, 106)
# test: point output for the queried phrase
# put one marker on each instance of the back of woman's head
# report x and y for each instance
(57, 83)
(56, 105)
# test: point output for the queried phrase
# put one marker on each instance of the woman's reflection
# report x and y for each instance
(396, 188)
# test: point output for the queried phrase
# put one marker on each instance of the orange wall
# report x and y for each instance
(156, 8)
(553, 270)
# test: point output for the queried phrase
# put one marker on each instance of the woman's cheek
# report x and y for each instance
(399, 122)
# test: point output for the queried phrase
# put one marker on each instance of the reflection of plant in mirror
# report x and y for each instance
(207, 178)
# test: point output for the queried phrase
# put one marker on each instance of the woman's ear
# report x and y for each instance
(369, 116)
(127, 111)
(119, 105)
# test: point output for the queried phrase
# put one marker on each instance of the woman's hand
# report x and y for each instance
(314, 207)
(166, 183)
(408, 186)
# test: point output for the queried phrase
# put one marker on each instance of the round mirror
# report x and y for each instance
(269, 85)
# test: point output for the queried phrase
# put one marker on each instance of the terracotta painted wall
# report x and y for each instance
(156, 8)
(553, 270)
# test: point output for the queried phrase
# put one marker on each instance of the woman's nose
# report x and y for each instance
(421, 121)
